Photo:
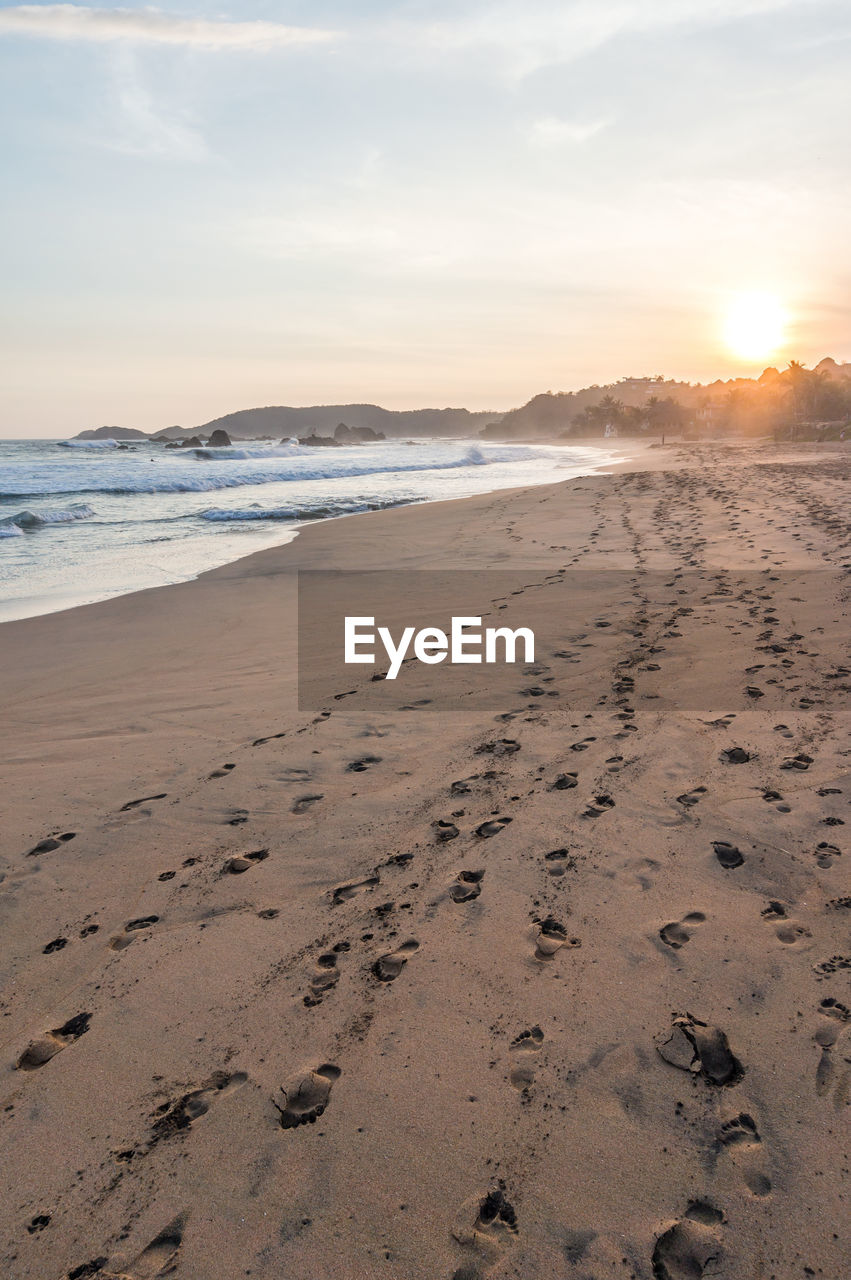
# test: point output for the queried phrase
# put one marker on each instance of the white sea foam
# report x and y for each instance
(53, 515)
(89, 444)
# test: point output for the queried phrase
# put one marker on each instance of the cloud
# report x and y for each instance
(550, 132)
(539, 33)
(146, 125)
(76, 22)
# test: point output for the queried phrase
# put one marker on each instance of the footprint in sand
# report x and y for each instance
(550, 938)
(159, 1258)
(826, 854)
(325, 976)
(304, 1098)
(559, 861)
(345, 891)
(598, 806)
(222, 772)
(787, 931)
(387, 968)
(677, 933)
(53, 1042)
(741, 1138)
(467, 885)
(303, 803)
(361, 766)
(524, 1050)
(503, 747)
(835, 1018)
(687, 1248)
(242, 862)
(565, 782)
(735, 755)
(801, 762)
(487, 1226)
(180, 1113)
(694, 1046)
(690, 798)
(134, 804)
(491, 828)
(728, 854)
(50, 843)
(444, 830)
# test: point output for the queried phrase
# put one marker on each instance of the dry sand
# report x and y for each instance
(263, 1017)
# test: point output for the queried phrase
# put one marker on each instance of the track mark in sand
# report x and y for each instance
(361, 765)
(58, 944)
(242, 862)
(826, 854)
(467, 885)
(258, 742)
(303, 803)
(159, 1258)
(180, 1113)
(39, 1222)
(53, 1042)
(305, 1096)
(687, 1248)
(524, 1050)
(693, 1046)
(345, 891)
(583, 745)
(143, 922)
(741, 1137)
(134, 804)
(550, 938)
(325, 976)
(728, 854)
(833, 965)
(677, 933)
(835, 1019)
(598, 806)
(565, 782)
(237, 818)
(502, 747)
(735, 755)
(491, 828)
(387, 968)
(788, 931)
(690, 798)
(487, 1226)
(444, 830)
(559, 861)
(222, 772)
(801, 762)
(50, 843)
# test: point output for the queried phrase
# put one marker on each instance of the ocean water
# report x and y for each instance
(84, 521)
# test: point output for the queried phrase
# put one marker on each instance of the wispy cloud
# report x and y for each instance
(150, 126)
(538, 33)
(77, 22)
(550, 132)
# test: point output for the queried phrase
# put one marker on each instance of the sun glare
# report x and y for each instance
(754, 326)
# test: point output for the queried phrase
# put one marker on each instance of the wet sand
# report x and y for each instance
(557, 988)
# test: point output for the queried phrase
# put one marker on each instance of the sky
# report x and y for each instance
(441, 202)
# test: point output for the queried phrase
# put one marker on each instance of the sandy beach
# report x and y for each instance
(554, 988)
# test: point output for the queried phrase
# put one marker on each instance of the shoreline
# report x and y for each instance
(289, 532)
(257, 958)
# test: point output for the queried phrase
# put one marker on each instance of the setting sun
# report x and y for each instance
(754, 325)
